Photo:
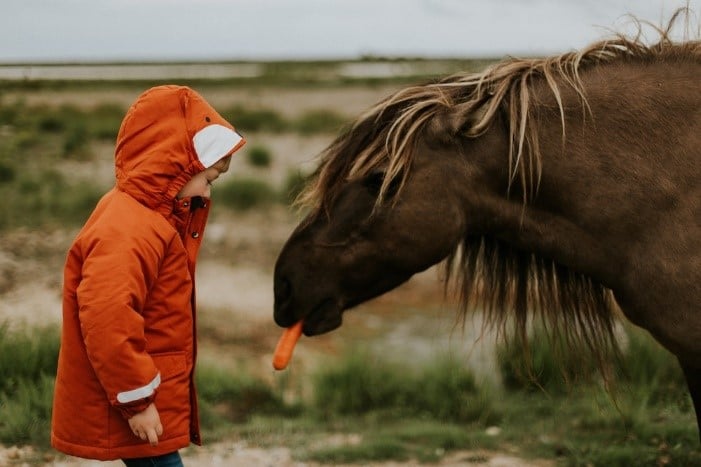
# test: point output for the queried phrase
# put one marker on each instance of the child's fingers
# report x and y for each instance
(152, 436)
(159, 430)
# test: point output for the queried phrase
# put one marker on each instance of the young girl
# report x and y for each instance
(125, 386)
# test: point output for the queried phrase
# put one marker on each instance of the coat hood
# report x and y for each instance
(168, 135)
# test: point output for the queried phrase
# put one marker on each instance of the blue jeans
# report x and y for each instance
(166, 460)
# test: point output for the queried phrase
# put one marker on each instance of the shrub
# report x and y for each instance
(9, 113)
(105, 120)
(7, 172)
(293, 185)
(51, 123)
(255, 120)
(650, 368)
(443, 391)
(544, 365)
(319, 121)
(259, 156)
(244, 193)
(26, 412)
(26, 355)
(44, 197)
(359, 384)
(233, 397)
(75, 142)
(24, 140)
(28, 363)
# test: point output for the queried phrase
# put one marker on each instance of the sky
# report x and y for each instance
(33, 31)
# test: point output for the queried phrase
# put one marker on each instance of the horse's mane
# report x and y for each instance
(571, 305)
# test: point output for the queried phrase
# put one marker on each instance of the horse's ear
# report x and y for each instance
(460, 120)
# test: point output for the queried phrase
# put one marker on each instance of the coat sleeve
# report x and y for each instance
(117, 272)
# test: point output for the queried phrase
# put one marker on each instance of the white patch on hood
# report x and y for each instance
(214, 142)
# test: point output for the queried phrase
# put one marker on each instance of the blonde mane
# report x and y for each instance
(384, 137)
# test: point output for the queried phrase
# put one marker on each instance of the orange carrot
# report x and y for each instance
(285, 346)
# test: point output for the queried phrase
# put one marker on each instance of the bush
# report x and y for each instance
(44, 197)
(9, 113)
(26, 356)
(233, 397)
(259, 156)
(361, 384)
(293, 185)
(51, 123)
(543, 366)
(75, 144)
(648, 367)
(255, 120)
(28, 362)
(7, 172)
(105, 120)
(244, 193)
(26, 412)
(319, 121)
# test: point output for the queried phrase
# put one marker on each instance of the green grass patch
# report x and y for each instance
(259, 156)
(293, 186)
(26, 355)
(44, 198)
(231, 398)
(376, 449)
(28, 360)
(255, 119)
(544, 365)
(245, 193)
(363, 409)
(319, 121)
(361, 383)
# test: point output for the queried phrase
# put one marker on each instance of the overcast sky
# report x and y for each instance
(108, 30)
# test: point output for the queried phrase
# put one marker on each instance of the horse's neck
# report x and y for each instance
(623, 161)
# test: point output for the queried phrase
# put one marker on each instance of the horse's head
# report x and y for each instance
(356, 249)
(378, 216)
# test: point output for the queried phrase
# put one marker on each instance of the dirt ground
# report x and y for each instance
(234, 278)
(238, 453)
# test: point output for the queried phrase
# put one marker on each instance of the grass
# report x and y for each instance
(362, 384)
(245, 193)
(27, 368)
(320, 121)
(36, 139)
(379, 411)
(44, 197)
(259, 156)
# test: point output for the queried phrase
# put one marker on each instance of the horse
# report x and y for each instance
(565, 189)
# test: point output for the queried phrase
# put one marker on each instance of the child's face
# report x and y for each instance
(201, 183)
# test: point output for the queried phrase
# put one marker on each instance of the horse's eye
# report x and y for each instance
(373, 181)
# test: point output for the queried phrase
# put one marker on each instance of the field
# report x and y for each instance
(401, 383)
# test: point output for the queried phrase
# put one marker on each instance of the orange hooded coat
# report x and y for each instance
(128, 336)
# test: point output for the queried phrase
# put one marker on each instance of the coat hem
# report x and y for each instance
(124, 452)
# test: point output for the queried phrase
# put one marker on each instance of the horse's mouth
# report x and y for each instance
(325, 317)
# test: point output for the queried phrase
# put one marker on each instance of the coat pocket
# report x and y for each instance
(170, 364)
(173, 395)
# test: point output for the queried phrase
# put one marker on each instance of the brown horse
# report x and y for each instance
(555, 188)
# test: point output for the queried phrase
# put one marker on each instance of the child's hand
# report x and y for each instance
(147, 425)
